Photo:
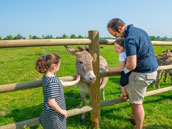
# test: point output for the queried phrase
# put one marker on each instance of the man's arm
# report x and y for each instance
(131, 62)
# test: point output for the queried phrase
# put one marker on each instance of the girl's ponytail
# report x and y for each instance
(41, 65)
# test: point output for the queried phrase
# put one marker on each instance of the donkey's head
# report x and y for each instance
(83, 64)
(167, 55)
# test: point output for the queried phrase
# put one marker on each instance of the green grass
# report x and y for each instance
(18, 65)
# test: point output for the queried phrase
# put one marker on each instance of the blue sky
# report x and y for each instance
(58, 17)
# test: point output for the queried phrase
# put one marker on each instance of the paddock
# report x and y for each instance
(93, 42)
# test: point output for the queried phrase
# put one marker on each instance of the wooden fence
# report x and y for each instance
(93, 42)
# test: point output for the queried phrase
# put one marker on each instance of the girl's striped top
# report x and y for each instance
(52, 88)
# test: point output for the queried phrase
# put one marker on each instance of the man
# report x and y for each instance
(141, 60)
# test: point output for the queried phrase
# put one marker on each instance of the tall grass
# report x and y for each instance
(18, 65)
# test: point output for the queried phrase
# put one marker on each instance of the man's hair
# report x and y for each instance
(115, 23)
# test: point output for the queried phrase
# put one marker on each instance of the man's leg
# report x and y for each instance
(138, 112)
(138, 83)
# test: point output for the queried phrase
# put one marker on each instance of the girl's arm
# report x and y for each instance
(55, 106)
(70, 83)
(118, 68)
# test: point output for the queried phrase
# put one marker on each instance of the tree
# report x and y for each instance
(30, 36)
(164, 38)
(158, 38)
(0, 38)
(58, 37)
(18, 37)
(80, 37)
(65, 36)
(49, 37)
(43, 37)
(33, 37)
(72, 36)
(153, 38)
(9, 37)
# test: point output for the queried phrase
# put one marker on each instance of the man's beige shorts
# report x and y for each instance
(137, 86)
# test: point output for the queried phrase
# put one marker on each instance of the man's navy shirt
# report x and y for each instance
(137, 42)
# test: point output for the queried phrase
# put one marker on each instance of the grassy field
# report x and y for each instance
(18, 65)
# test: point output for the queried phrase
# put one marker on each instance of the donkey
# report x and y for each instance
(165, 59)
(85, 70)
(160, 61)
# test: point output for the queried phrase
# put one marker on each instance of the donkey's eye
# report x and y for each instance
(80, 62)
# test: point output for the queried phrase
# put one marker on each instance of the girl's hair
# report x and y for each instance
(44, 63)
(120, 41)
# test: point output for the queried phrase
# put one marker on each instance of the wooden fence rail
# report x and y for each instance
(35, 121)
(154, 43)
(35, 84)
(59, 42)
(115, 73)
(149, 93)
(28, 85)
(42, 42)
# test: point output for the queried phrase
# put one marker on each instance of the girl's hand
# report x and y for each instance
(64, 113)
(78, 77)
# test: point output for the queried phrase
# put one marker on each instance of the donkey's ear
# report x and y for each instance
(81, 49)
(87, 48)
(71, 50)
(168, 50)
(163, 51)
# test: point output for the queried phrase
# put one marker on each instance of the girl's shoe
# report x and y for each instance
(132, 120)
(123, 97)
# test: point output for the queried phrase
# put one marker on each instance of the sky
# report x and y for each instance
(58, 17)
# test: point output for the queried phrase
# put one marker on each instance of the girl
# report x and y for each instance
(54, 112)
(119, 49)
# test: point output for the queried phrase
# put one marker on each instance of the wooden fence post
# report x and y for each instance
(95, 87)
